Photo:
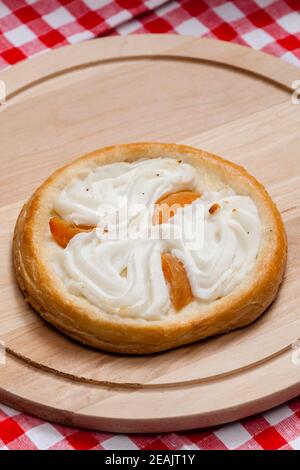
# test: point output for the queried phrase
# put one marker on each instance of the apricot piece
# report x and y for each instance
(62, 230)
(167, 205)
(175, 275)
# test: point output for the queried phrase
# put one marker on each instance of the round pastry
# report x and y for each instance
(143, 247)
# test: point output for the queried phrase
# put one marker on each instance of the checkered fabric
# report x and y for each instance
(276, 429)
(28, 28)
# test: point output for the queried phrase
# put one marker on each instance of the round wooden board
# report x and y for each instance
(223, 98)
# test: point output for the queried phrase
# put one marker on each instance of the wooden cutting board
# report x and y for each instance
(220, 97)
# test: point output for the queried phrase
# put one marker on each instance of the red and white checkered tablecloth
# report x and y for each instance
(28, 28)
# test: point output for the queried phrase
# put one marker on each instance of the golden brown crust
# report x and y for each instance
(90, 325)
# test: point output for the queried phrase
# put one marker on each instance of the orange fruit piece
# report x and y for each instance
(167, 205)
(62, 230)
(175, 275)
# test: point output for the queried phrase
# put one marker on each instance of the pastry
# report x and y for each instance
(144, 247)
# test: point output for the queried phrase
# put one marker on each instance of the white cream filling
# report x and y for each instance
(124, 276)
(89, 200)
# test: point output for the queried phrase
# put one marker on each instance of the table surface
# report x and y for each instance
(31, 27)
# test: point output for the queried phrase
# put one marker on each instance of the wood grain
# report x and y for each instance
(220, 97)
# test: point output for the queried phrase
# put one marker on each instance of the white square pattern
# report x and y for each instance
(80, 37)
(290, 22)
(44, 436)
(58, 18)
(229, 12)
(95, 4)
(278, 414)
(164, 9)
(20, 35)
(233, 435)
(257, 38)
(189, 447)
(120, 17)
(129, 27)
(119, 443)
(9, 411)
(192, 27)
(291, 58)
(295, 444)
(4, 11)
(154, 3)
(264, 3)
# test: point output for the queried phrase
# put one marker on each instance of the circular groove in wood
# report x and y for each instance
(162, 58)
(105, 417)
(144, 386)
